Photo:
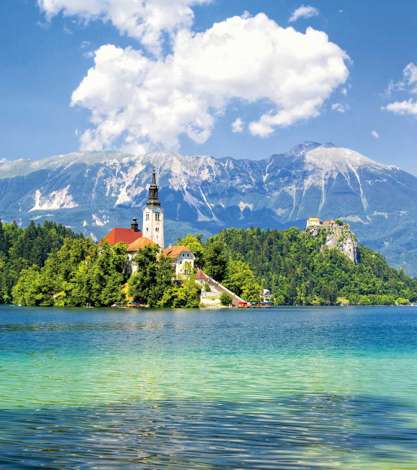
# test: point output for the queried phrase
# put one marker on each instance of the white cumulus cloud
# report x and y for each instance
(406, 107)
(407, 85)
(138, 102)
(304, 11)
(375, 134)
(408, 82)
(237, 126)
(144, 20)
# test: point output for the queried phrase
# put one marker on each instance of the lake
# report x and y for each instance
(295, 388)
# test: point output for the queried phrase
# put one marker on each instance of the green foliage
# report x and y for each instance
(195, 244)
(225, 299)
(98, 279)
(216, 259)
(184, 295)
(298, 271)
(79, 274)
(50, 265)
(153, 277)
(241, 280)
(153, 283)
(22, 248)
(29, 290)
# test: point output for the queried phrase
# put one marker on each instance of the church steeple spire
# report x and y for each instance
(153, 215)
(153, 196)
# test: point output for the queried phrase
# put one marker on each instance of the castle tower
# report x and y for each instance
(153, 215)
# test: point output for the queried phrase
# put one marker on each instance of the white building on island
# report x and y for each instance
(152, 233)
(183, 260)
(153, 215)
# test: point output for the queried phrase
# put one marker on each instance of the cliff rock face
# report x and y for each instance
(339, 236)
(94, 191)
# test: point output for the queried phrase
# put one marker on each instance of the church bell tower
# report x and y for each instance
(153, 215)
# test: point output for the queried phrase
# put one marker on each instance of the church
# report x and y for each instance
(152, 233)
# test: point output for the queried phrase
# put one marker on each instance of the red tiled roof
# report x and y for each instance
(201, 276)
(139, 244)
(175, 251)
(122, 235)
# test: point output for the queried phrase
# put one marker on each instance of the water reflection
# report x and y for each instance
(304, 431)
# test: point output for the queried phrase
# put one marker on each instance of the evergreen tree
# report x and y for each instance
(3, 241)
(241, 280)
(153, 277)
(215, 259)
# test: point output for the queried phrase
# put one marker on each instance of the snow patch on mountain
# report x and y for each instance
(354, 219)
(60, 199)
(380, 214)
(124, 184)
(100, 221)
(334, 160)
(245, 205)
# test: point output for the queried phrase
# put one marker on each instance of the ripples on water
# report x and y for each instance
(285, 388)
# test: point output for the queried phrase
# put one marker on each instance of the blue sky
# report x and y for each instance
(44, 61)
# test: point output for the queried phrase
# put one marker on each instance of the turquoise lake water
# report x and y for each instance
(295, 388)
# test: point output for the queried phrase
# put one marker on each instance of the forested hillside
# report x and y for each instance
(21, 248)
(50, 265)
(298, 270)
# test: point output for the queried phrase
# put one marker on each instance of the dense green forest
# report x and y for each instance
(298, 271)
(50, 265)
(82, 273)
(21, 248)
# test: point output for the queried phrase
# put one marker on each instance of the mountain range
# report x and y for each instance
(94, 191)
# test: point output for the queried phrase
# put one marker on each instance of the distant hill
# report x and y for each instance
(299, 268)
(94, 191)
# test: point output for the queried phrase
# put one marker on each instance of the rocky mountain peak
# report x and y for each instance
(338, 160)
(94, 191)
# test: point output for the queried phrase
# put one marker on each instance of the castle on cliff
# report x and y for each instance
(337, 236)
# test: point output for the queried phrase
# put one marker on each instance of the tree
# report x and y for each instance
(195, 244)
(77, 292)
(78, 274)
(5, 286)
(30, 288)
(215, 260)
(3, 241)
(252, 292)
(153, 277)
(164, 277)
(225, 299)
(186, 295)
(241, 280)
(98, 280)
(22, 248)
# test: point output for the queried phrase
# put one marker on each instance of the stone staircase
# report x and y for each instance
(212, 297)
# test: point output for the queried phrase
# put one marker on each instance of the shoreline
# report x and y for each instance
(199, 309)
